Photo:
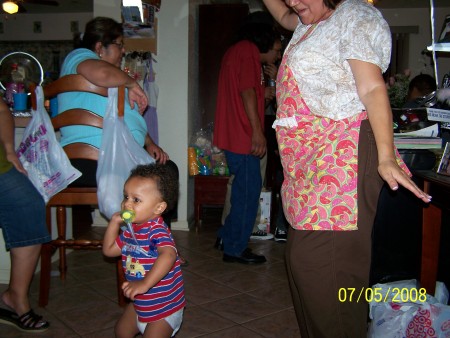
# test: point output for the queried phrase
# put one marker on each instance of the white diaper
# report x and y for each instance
(174, 320)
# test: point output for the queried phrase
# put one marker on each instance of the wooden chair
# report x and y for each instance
(73, 195)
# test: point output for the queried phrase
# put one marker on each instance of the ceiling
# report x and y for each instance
(74, 6)
(65, 6)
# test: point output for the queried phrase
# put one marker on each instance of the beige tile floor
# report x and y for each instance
(223, 299)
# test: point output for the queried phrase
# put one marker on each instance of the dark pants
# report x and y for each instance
(88, 169)
(321, 263)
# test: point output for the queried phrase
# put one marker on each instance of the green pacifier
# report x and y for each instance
(128, 216)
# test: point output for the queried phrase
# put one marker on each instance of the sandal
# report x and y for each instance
(28, 322)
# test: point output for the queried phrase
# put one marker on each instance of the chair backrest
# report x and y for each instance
(78, 116)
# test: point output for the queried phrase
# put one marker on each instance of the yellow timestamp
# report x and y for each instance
(378, 295)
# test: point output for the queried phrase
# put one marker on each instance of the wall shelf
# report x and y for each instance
(142, 44)
(440, 47)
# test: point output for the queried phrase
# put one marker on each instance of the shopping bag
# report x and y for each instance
(404, 310)
(45, 161)
(119, 154)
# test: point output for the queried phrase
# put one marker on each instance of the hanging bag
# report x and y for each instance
(119, 154)
(45, 161)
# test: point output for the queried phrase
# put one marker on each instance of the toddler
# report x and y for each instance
(149, 257)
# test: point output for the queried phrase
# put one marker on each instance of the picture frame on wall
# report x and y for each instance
(444, 165)
(37, 27)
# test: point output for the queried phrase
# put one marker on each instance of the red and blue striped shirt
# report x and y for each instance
(139, 253)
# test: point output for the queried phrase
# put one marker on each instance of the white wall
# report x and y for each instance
(418, 42)
(171, 68)
(108, 8)
(19, 27)
(173, 102)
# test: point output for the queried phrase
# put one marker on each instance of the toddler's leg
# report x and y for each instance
(158, 329)
(126, 326)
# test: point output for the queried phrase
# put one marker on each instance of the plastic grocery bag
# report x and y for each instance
(45, 161)
(405, 310)
(119, 154)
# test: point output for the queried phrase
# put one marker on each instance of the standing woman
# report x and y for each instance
(334, 130)
(22, 220)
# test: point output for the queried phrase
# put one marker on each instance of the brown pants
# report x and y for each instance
(320, 263)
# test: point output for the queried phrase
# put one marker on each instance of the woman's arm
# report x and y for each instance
(282, 14)
(7, 136)
(104, 74)
(372, 92)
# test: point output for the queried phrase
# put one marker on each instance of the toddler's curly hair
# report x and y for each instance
(166, 181)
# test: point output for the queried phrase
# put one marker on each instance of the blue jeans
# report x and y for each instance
(245, 193)
(22, 211)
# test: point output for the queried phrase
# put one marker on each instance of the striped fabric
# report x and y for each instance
(138, 257)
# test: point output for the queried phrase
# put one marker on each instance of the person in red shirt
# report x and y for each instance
(239, 131)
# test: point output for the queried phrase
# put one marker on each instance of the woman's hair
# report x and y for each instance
(331, 4)
(99, 29)
(166, 180)
(261, 34)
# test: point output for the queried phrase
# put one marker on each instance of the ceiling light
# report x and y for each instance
(10, 7)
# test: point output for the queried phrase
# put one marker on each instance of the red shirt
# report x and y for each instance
(240, 70)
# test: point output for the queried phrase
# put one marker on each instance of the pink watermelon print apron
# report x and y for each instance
(320, 162)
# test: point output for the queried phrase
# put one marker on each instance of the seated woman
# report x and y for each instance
(98, 58)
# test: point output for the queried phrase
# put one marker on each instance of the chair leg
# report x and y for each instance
(120, 280)
(61, 222)
(44, 282)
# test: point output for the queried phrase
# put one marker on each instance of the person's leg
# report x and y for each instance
(244, 202)
(88, 168)
(323, 263)
(158, 329)
(227, 204)
(126, 326)
(23, 265)
(22, 218)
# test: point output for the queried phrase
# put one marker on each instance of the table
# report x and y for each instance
(208, 190)
(438, 186)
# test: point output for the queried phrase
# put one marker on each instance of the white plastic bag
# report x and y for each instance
(45, 161)
(119, 154)
(406, 311)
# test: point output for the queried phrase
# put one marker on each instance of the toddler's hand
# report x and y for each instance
(131, 289)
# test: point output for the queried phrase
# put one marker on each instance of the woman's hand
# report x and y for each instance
(394, 175)
(136, 95)
(12, 157)
(155, 151)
